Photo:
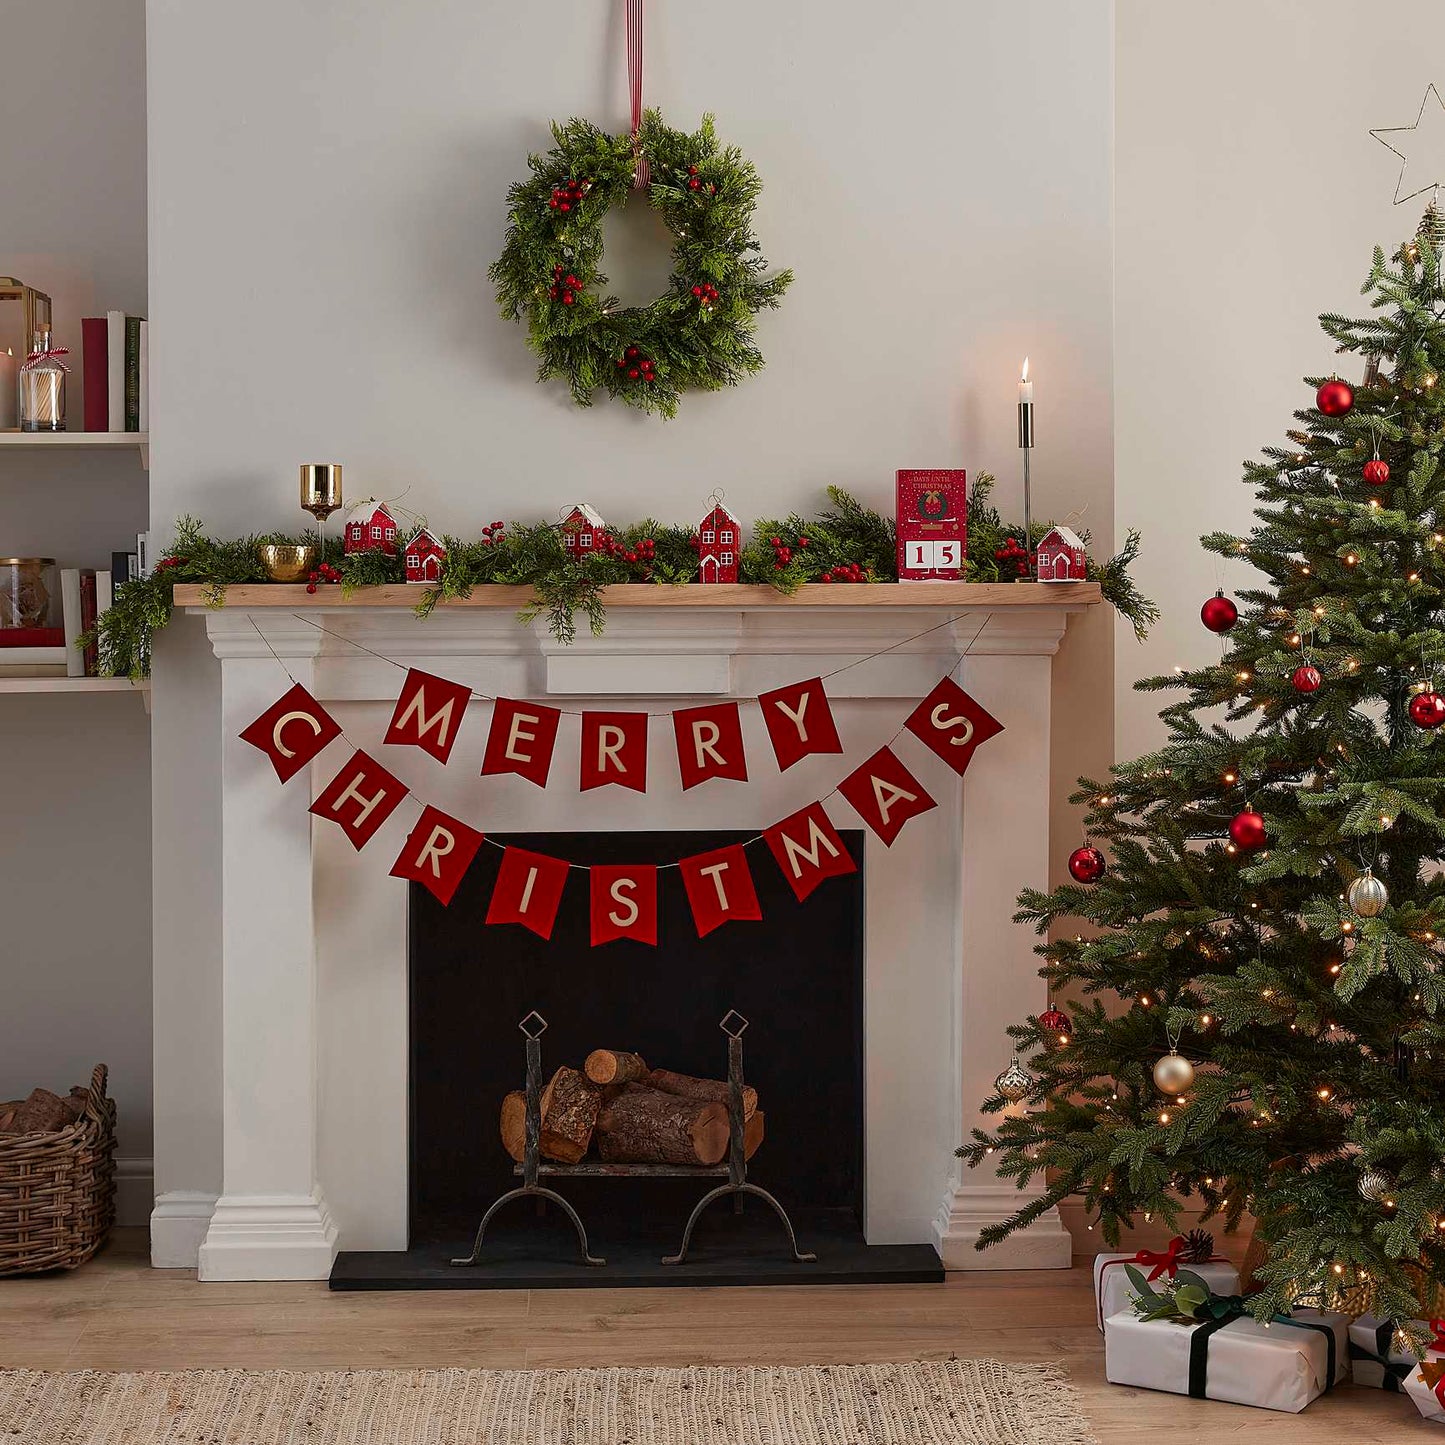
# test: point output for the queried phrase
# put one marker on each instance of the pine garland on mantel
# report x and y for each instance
(845, 534)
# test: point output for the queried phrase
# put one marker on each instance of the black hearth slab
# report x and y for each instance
(530, 1254)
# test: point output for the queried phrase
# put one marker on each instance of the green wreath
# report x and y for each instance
(698, 335)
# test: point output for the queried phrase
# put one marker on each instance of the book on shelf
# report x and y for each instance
(95, 373)
(89, 611)
(124, 567)
(132, 372)
(145, 376)
(115, 370)
(85, 597)
(70, 612)
(26, 639)
(143, 554)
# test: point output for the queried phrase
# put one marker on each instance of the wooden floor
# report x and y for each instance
(118, 1314)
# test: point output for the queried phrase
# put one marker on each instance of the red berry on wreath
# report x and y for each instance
(1246, 830)
(694, 184)
(633, 374)
(311, 587)
(802, 541)
(775, 541)
(1427, 710)
(1219, 614)
(1086, 864)
(564, 207)
(630, 352)
(568, 298)
(572, 281)
(692, 170)
(697, 290)
(1377, 473)
(1306, 678)
(1335, 397)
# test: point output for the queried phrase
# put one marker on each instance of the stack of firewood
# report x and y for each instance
(632, 1114)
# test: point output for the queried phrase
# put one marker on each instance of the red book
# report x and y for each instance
(96, 374)
(32, 637)
(87, 620)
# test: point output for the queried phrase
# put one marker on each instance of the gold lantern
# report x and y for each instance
(34, 314)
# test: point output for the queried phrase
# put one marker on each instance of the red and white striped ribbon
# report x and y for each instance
(642, 174)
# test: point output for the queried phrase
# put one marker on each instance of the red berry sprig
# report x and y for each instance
(706, 295)
(565, 286)
(569, 194)
(782, 553)
(635, 366)
(846, 572)
(493, 533)
(324, 573)
(695, 182)
(1012, 553)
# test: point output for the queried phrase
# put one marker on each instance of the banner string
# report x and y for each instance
(661, 867)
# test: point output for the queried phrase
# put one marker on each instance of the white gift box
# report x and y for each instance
(1427, 1402)
(1275, 1367)
(1111, 1280)
(1372, 1340)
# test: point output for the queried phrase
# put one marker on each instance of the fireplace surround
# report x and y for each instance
(314, 1129)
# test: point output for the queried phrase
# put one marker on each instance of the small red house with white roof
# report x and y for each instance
(370, 527)
(1061, 557)
(719, 545)
(423, 557)
(580, 529)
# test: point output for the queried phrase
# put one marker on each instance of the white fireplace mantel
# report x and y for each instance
(313, 1113)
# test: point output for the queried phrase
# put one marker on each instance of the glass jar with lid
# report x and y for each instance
(29, 593)
(42, 386)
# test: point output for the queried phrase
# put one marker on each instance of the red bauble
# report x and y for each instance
(1055, 1020)
(1219, 614)
(1086, 864)
(1246, 829)
(1427, 710)
(1377, 473)
(1335, 397)
(1307, 678)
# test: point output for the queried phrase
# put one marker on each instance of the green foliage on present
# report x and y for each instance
(1318, 1037)
(694, 344)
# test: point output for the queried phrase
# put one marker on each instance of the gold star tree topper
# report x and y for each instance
(1423, 153)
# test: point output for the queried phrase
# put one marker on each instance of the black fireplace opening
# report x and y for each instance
(796, 976)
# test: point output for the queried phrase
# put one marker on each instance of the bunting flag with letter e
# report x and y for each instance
(624, 902)
(614, 750)
(799, 722)
(429, 713)
(521, 740)
(360, 798)
(952, 725)
(720, 888)
(709, 744)
(292, 731)
(437, 854)
(885, 794)
(529, 890)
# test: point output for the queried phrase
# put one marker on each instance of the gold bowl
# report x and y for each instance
(287, 563)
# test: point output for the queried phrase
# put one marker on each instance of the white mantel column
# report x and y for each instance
(271, 1221)
(1005, 849)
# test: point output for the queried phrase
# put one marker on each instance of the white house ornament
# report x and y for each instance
(1015, 1082)
(1173, 1074)
(1367, 896)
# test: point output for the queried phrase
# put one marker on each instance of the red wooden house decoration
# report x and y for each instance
(370, 527)
(1061, 557)
(719, 545)
(580, 530)
(424, 555)
(932, 524)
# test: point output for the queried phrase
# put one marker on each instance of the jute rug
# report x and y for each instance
(953, 1402)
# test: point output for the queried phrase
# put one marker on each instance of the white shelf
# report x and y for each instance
(73, 684)
(70, 440)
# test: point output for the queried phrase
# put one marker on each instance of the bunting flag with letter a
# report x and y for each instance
(799, 722)
(292, 731)
(360, 798)
(437, 854)
(950, 723)
(624, 902)
(720, 888)
(529, 890)
(521, 740)
(614, 750)
(428, 713)
(808, 849)
(709, 744)
(885, 794)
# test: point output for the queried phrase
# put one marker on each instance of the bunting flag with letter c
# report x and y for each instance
(292, 731)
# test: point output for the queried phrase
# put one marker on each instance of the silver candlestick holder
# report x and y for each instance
(1026, 445)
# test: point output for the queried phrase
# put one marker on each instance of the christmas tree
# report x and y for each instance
(1261, 1025)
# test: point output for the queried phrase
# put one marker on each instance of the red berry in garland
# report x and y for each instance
(1246, 830)
(1427, 710)
(1377, 473)
(1307, 678)
(1219, 614)
(1335, 397)
(1086, 864)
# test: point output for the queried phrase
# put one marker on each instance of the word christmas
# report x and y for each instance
(522, 739)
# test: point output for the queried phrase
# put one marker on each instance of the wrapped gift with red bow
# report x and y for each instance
(1193, 1251)
(1425, 1384)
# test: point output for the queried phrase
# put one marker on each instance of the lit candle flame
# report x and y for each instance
(1024, 374)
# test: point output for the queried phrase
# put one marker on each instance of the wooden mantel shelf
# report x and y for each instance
(972, 595)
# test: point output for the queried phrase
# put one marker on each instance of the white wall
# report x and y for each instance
(328, 185)
(74, 771)
(1249, 198)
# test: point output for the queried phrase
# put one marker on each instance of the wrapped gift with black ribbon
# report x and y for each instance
(1380, 1358)
(1188, 1341)
(1193, 1251)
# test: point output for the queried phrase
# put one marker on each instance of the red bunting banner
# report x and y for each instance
(292, 731)
(799, 722)
(521, 740)
(950, 723)
(614, 750)
(720, 888)
(709, 744)
(529, 890)
(360, 798)
(885, 794)
(624, 902)
(808, 849)
(437, 854)
(428, 713)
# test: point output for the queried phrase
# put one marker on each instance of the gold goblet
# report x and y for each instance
(321, 494)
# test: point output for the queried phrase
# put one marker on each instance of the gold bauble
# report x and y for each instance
(1367, 895)
(1173, 1074)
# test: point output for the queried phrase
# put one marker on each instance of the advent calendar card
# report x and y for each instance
(932, 526)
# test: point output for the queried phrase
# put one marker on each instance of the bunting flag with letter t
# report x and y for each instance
(614, 750)
(292, 731)
(808, 849)
(624, 902)
(950, 723)
(428, 713)
(885, 794)
(360, 798)
(799, 722)
(709, 744)
(521, 740)
(720, 888)
(437, 854)
(529, 890)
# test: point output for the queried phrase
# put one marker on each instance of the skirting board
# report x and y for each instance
(135, 1191)
(178, 1226)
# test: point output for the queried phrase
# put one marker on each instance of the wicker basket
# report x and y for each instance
(57, 1191)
